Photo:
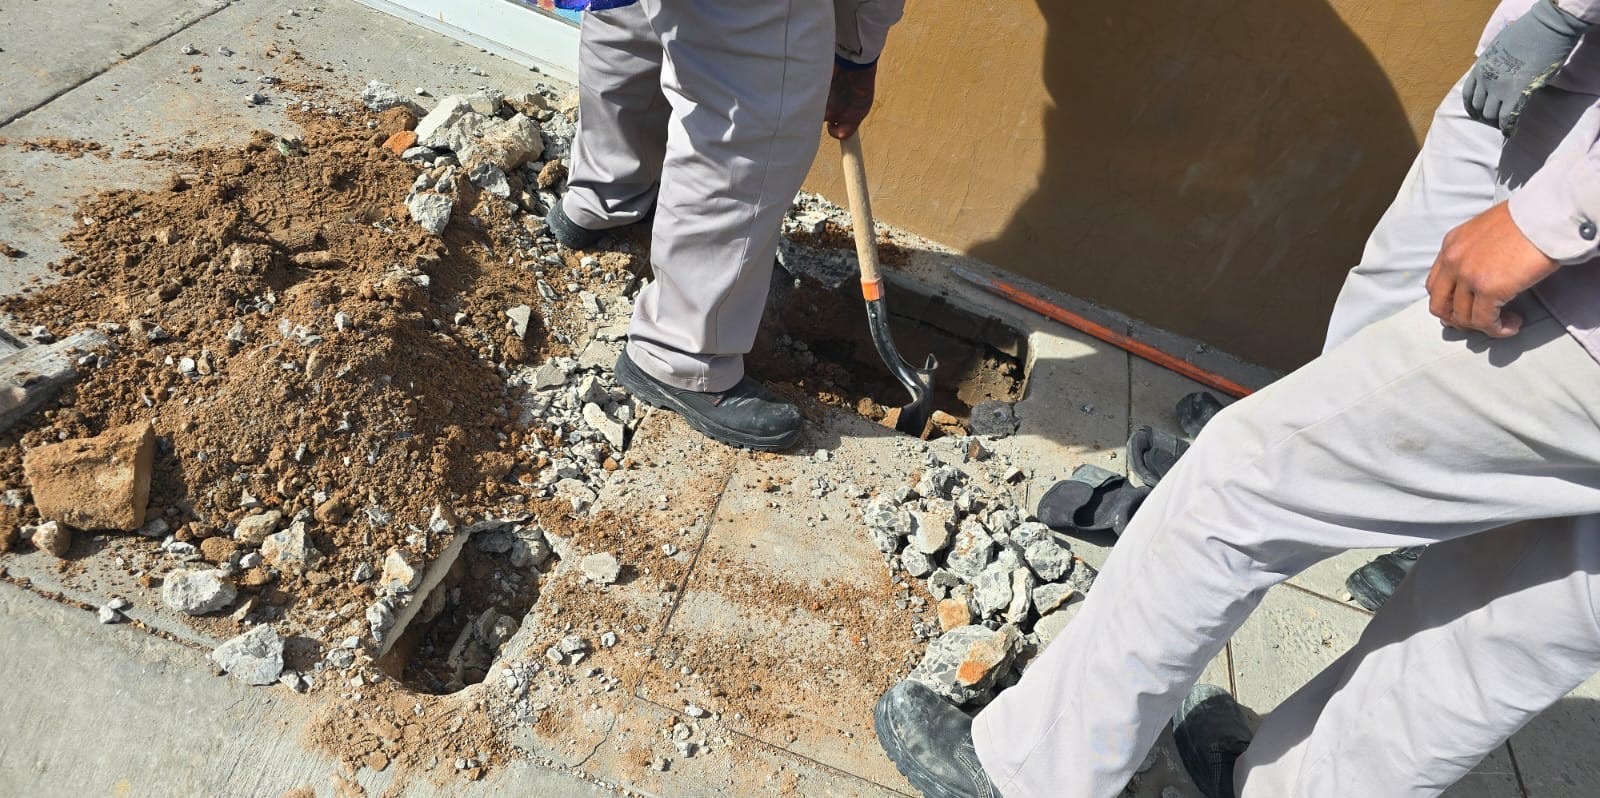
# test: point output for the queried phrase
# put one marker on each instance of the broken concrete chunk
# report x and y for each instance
(399, 574)
(380, 96)
(964, 663)
(252, 530)
(1022, 583)
(490, 178)
(255, 657)
(932, 533)
(609, 428)
(1048, 598)
(507, 144)
(197, 592)
(602, 569)
(992, 589)
(954, 613)
(520, 316)
(431, 211)
(916, 562)
(549, 376)
(941, 582)
(94, 483)
(1049, 559)
(440, 119)
(940, 482)
(291, 549)
(972, 551)
(52, 538)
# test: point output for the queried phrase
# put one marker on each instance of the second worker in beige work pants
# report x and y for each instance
(1402, 433)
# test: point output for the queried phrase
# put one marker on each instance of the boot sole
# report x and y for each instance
(646, 388)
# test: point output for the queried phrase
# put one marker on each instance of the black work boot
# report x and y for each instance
(1372, 584)
(745, 415)
(1211, 732)
(930, 740)
(568, 233)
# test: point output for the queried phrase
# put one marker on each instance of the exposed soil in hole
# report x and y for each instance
(814, 342)
(457, 634)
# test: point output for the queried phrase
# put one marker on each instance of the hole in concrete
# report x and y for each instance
(475, 599)
(814, 340)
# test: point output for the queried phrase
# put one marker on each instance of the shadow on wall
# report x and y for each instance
(1213, 167)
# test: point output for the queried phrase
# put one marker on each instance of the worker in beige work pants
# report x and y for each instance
(707, 114)
(1457, 405)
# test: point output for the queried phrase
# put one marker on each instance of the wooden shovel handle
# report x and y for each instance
(855, 185)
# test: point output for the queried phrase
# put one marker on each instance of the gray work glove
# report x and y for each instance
(1518, 61)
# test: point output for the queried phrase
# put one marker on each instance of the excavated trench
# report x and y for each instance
(814, 342)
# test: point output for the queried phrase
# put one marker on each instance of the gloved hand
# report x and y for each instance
(1518, 61)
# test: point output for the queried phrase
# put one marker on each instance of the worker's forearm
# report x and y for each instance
(1558, 209)
(862, 27)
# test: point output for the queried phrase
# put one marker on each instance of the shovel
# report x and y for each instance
(913, 419)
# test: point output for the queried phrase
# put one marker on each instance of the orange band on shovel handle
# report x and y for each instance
(872, 290)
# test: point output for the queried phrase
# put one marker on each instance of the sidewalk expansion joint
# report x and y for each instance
(107, 68)
(64, 600)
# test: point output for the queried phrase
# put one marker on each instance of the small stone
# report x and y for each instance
(401, 142)
(189, 49)
(197, 592)
(94, 483)
(431, 211)
(380, 96)
(252, 530)
(602, 569)
(822, 455)
(108, 615)
(225, 51)
(491, 179)
(332, 511)
(590, 389)
(255, 657)
(520, 316)
(1022, 584)
(255, 98)
(53, 538)
(119, 604)
(573, 644)
(362, 573)
(659, 764)
(608, 640)
(218, 550)
(693, 711)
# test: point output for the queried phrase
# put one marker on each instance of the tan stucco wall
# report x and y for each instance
(1210, 167)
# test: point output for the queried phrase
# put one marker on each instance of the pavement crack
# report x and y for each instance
(602, 741)
(108, 67)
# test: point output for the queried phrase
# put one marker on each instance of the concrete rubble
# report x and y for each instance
(197, 592)
(995, 573)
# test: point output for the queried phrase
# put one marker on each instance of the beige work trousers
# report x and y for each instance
(1401, 433)
(711, 112)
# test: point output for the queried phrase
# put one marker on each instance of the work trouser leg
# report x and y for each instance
(622, 120)
(1487, 631)
(747, 83)
(1451, 181)
(1406, 434)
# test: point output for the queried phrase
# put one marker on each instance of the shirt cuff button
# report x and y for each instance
(1586, 230)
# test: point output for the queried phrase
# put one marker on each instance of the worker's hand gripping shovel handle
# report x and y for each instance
(855, 185)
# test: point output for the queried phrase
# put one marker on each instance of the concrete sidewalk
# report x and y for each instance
(91, 709)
